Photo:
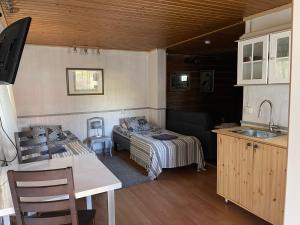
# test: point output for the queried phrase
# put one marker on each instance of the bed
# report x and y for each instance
(65, 142)
(154, 148)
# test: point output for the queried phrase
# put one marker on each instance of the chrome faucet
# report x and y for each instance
(271, 125)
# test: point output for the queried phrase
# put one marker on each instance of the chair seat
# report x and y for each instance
(86, 217)
(95, 138)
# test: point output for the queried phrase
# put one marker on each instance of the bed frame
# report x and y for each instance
(121, 142)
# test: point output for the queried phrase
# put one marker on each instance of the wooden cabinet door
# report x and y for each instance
(221, 154)
(246, 173)
(232, 189)
(225, 145)
(228, 168)
(220, 165)
(269, 178)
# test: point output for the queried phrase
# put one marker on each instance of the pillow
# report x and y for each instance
(143, 124)
(123, 125)
(54, 131)
(137, 124)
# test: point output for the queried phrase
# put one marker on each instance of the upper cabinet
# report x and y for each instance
(252, 60)
(265, 59)
(279, 61)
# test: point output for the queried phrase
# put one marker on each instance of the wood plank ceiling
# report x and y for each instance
(129, 24)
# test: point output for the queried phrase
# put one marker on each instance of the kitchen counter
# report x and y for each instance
(280, 141)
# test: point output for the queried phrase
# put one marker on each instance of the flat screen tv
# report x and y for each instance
(12, 40)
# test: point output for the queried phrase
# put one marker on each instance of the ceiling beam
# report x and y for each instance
(205, 34)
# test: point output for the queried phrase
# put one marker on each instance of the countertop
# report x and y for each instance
(280, 141)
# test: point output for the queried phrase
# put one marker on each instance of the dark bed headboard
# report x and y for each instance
(196, 124)
(189, 122)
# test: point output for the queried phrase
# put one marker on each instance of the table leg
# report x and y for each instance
(103, 148)
(111, 207)
(110, 148)
(6, 220)
(89, 202)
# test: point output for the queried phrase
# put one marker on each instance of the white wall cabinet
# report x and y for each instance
(265, 59)
(253, 60)
(279, 61)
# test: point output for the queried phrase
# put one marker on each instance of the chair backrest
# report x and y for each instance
(94, 126)
(32, 145)
(35, 197)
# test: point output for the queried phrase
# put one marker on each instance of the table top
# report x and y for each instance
(91, 177)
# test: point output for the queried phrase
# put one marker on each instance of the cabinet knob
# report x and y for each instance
(249, 144)
(255, 146)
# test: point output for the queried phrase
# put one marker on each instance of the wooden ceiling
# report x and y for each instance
(129, 24)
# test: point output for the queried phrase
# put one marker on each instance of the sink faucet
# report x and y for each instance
(271, 125)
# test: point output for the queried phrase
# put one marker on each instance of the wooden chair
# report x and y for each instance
(36, 201)
(32, 145)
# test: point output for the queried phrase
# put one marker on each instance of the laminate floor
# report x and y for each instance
(180, 196)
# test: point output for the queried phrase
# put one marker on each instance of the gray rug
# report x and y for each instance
(127, 174)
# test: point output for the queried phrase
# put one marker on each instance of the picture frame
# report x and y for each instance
(207, 80)
(180, 81)
(85, 81)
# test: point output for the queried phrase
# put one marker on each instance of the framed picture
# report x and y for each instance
(207, 81)
(180, 81)
(85, 81)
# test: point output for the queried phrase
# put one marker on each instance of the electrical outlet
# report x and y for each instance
(248, 109)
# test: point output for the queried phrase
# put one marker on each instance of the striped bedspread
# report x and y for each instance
(73, 148)
(71, 144)
(154, 155)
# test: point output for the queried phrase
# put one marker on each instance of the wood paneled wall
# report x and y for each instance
(224, 104)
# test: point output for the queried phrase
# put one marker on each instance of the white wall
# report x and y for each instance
(274, 19)
(77, 122)
(292, 215)
(157, 86)
(9, 120)
(278, 94)
(255, 94)
(41, 92)
(40, 87)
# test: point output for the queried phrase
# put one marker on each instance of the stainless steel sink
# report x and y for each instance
(258, 133)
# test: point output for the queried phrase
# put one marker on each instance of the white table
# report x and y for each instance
(91, 177)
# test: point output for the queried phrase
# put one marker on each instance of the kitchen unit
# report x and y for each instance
(251, 171)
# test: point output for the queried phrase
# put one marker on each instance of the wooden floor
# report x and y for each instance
(180, 196)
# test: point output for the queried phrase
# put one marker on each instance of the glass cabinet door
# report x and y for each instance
(279, 71)
(247, 61)
(257, 66)
(252, 63)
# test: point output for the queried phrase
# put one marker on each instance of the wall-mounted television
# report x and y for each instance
(12, 40)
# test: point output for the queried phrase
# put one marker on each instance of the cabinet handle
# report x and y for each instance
(248, 144)
(255, 146)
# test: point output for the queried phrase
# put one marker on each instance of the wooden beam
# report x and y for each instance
(203, 35)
